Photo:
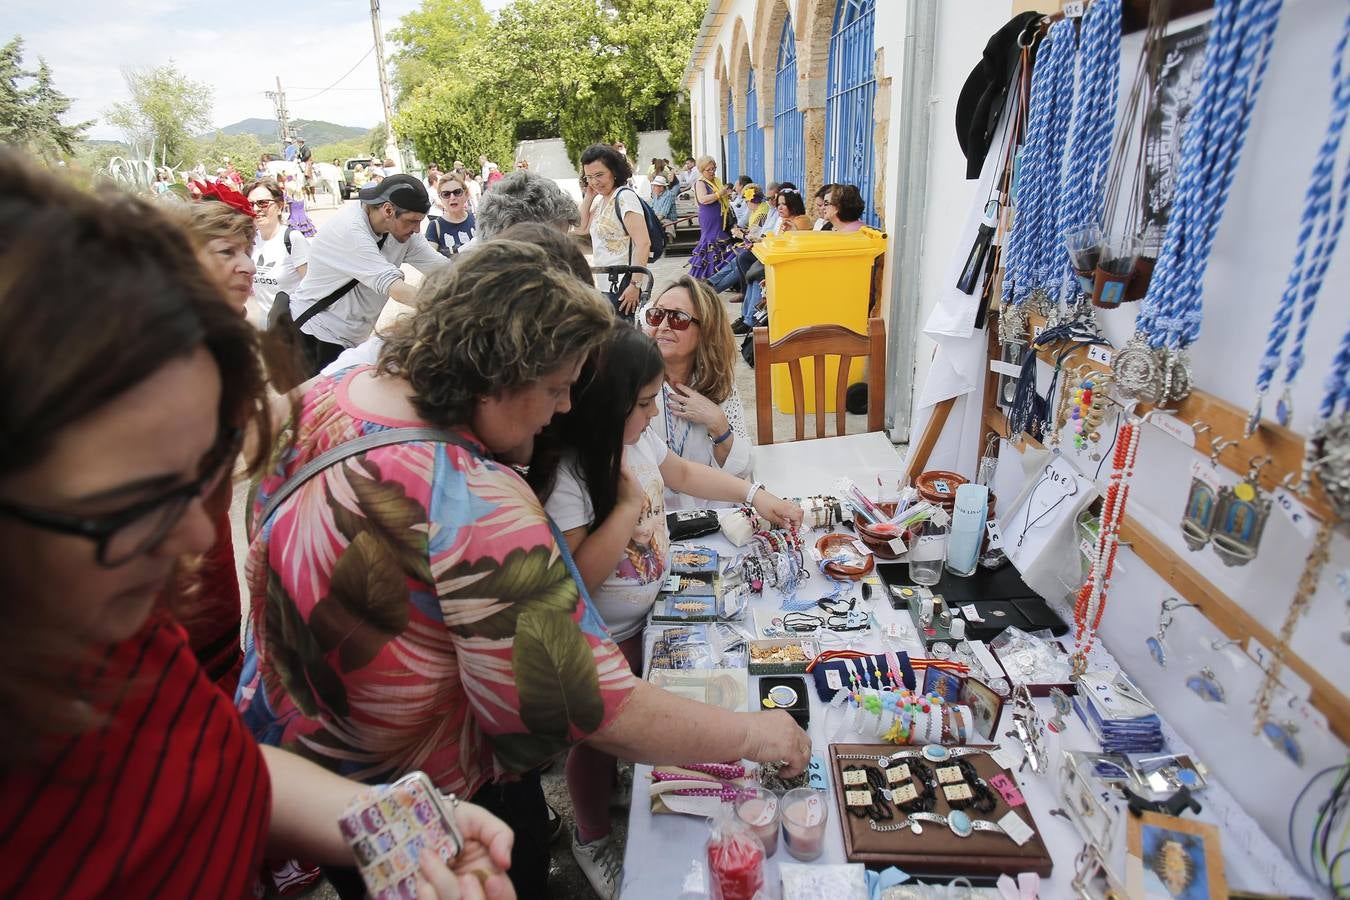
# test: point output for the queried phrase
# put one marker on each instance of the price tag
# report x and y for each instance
(1204, 473)
(897, 546)
(672, 584)
(1290, 679)
(1173, 427)
(832, 680)
(1099, 354)
(897, 774)
(855, 776)
(1073, 9)
(1015, 828)
(1007, 369)
(971, 613)
(995, 535)
(815, 777)
(858, 798)
(1086, 548)
(1296, 512)
(1007, 790)
(860, 547)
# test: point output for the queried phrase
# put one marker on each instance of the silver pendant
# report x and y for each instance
(1197, 523)
(1012, 324)
(1176, 377)
(1206, 686)
(1063, 706)
(1135, 367)
(1157, 643)
(1329, 447)
(1239, 523)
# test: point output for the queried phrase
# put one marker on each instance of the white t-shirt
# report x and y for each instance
(276, 270)
(629, 592)
(693, 443)
(610, 244)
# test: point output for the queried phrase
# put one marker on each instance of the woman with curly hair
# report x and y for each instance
(415, 607)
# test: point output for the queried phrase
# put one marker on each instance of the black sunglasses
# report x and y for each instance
(143, 526)
(679, 319)
(453, 192)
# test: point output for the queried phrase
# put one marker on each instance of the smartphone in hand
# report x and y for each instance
(388, 827)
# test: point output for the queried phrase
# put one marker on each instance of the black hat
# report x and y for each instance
(985, 92)
(404, 191)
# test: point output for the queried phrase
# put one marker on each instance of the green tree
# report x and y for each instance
(342, 150)
(31, 113)
(165, 110)
(215, 151)
(441, 36)
(447, 119)
(680, 124)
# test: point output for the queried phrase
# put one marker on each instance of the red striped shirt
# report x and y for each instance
(169, 798)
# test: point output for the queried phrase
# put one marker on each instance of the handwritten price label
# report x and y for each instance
(1204, 473)
(1097, 353)
(1295, 511)
(995, 535)
(1174, 427)
(1074, 9)
(1007, 790)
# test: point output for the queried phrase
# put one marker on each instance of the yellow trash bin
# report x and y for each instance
(817, 278)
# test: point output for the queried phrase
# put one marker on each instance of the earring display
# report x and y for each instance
(926, 815)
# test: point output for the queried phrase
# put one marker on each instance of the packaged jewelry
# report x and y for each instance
(1031, 660)
(846, 881)
(690, 559)
(784, 656)
(735, 859)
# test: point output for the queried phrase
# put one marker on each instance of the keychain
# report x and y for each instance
(1241, 518)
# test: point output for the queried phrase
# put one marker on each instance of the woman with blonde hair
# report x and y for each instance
(714, 209)
(699, 413)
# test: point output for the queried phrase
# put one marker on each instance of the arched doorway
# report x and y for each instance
(754, 135)
(789, 157)
(850, 93)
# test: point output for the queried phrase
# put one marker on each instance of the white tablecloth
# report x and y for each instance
(663, 851)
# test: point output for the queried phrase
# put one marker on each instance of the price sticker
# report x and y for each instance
(858, 798)
(1173, 427)
(1296, 512)
(897, 546)
(971, 613)
(1086, 548)
(860, 547)
(1014, 827)
(816, 772)
(1073, 9)
(1007, 790)
(832, 680)
(855, 776)
(1099, 354)
(1206, 474)
(995, 534)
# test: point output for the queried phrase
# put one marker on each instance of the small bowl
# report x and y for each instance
(837, 570)
(878, 539)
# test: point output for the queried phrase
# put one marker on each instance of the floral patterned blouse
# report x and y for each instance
(412, 610)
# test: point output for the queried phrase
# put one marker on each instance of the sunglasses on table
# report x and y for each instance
(453, 192)
(141, 527)
(677, 319)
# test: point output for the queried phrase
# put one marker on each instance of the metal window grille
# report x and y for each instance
(754, 135)
(848, 105)
(733, 145)
(789, 156)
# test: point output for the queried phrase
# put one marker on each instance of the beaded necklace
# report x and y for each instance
(1307, 271)
(1091, 601)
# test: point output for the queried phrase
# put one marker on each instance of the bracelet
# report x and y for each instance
(722, 438)
(755, 488)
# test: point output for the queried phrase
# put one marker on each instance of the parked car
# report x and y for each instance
(349, 166)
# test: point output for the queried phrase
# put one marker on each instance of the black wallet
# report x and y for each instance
(691, 523)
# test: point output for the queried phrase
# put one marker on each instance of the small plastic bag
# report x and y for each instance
(735, 859)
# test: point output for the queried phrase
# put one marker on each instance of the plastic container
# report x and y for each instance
(805, 814)
(817, 278)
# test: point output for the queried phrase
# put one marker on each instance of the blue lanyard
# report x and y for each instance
(1238, 49)
(1033, 238)
(670, 425)
(1306, 273)
(1084, 194)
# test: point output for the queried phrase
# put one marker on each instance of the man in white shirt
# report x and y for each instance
(354, 267)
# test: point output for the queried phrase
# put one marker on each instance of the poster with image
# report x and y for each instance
(1179, 75)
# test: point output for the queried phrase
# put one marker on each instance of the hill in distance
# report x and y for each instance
(314, 132)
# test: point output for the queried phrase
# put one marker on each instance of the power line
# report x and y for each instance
(340, 80)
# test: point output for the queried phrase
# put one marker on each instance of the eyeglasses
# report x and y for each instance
(596, 177)
(262, 204)
(453, 192)
(679, 320)
(141, 527)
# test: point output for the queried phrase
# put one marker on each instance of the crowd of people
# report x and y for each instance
(456, 530)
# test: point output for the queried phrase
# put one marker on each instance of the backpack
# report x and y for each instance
(656, 232)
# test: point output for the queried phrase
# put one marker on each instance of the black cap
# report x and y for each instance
(985, 92)
(404, 191)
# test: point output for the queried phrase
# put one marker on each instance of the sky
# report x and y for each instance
(312, 44)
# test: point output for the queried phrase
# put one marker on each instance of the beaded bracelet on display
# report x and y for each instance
(1091, 601)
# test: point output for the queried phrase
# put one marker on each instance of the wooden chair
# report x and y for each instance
(818, 342)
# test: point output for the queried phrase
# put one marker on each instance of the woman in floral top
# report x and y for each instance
(413, 606)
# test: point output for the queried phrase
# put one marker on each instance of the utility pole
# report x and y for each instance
(391, 145)
(278, 98)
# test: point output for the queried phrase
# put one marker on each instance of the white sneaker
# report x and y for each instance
(602, 863)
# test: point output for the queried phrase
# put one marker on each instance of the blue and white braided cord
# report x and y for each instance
(1240, 36)
(1050, 255)
(1094, 118)
(1306, 273)
(1040, 158)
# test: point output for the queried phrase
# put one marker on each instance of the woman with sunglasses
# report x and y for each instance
(280, 252)
(603, 475)
(698, 409)
(123, 771)
(451, 231)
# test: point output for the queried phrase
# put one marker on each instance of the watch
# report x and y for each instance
(935, 753)
(956, 821)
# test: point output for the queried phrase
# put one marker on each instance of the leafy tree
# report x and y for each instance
(441, 36)
(342, 150)
(166, 108)
(448, 119)
(680, 124)
(216, 150)
(31, 114)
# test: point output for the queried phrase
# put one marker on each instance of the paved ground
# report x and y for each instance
(567, 880)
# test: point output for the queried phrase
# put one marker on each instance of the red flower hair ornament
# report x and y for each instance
(224, 193)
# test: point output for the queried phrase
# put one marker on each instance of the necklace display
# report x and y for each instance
(1307, 587)
(1311, 259)
(1153, 365)
(1091, 600)
(1033, 243)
